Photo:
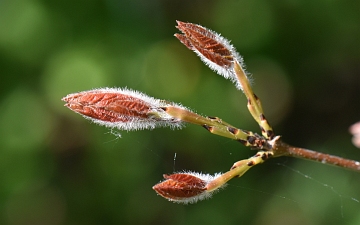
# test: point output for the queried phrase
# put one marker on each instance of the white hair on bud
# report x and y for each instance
(207, 178)
(226, 72)
(159, 117)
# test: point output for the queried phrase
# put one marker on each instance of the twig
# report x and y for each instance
(131, 110)
(283, 149)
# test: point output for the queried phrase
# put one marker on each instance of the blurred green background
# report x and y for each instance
(58, 168)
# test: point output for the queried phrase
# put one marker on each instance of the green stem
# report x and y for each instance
(238, 169)
(216, 126)
(254, 103)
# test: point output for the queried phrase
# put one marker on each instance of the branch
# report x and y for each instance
(283, 149)
(222, 57)
(131, 110)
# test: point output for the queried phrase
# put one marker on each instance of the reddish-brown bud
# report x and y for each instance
(110, 107)
(121, 108)
(213, 49)
(198, 38)
(185, 187)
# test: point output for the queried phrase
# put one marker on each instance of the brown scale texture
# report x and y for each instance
(204, 41)
(180, 186)
(109, 107)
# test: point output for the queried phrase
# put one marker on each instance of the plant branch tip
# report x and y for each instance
(213, 49)
(186, 187)
(127, 109)
(123, 109)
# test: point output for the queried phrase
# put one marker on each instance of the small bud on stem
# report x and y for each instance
(191, 187)
(131, 110)
(186, 187)
(122, 108)
(213, 49)
(217, 53)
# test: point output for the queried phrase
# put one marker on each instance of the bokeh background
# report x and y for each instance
(58, 168)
